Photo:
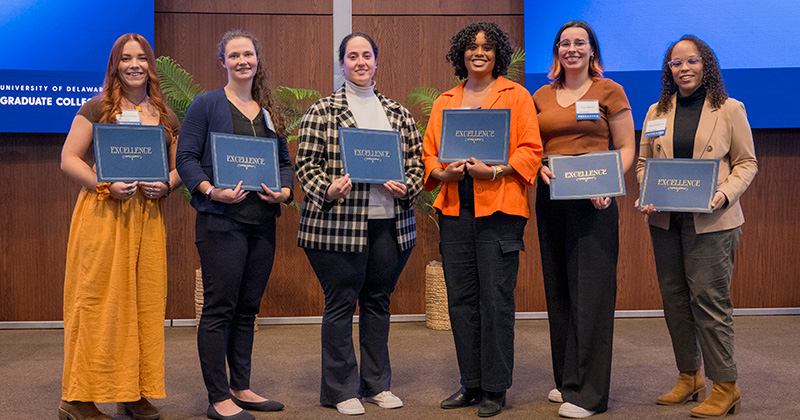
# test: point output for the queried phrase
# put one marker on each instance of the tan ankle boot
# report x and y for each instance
(723, 399)
(689, 385)
(80, 410)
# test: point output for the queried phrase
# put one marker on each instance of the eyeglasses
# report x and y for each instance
(692, 61)
(579, 44)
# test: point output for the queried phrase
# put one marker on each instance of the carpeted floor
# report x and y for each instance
(286, 368)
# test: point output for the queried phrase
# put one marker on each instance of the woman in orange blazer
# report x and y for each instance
(694, 252)
(483, 211)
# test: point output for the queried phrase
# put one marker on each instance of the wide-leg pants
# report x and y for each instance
(694, 275)
(367, 279)
(579, 246)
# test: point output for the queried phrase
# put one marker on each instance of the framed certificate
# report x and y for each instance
(596, 174)
(479, 133)
(130, 153)
(372, 156)
(253, 160)
(685, 185)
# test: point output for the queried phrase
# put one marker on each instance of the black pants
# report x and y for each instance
(367, 279)
(480, 257)
(579, 246)
(236, 260)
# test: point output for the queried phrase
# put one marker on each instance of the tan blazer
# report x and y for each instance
(722, 134)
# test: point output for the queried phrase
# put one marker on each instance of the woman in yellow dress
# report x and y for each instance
(115, 286)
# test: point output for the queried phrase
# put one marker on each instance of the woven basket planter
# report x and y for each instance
(436, 314)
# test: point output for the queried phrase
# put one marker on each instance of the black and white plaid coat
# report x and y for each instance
(341, 225)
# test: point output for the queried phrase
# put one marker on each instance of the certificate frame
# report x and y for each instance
(127, 153)
(479, 133)
(681, 185)
(595, 174)
(372, 156)
(253, 160)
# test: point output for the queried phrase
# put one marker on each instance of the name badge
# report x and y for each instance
(587, 109)
(655, 128)
(129, 118)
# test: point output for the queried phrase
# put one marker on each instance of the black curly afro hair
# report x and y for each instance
(494, 35)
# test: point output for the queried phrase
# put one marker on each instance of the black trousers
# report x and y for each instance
(480, 257)
(367, 279)
(236, 260)
(579, 246)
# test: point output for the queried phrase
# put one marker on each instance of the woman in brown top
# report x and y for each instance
(579, 239)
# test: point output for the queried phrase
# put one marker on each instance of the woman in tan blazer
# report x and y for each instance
(694, 252)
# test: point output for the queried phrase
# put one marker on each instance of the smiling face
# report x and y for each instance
(241, 60)
(689, 74)
(479, 57)
(133, 66)
(359, 62)
(574, 50)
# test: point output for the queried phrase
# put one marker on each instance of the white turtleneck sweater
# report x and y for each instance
(369, 114)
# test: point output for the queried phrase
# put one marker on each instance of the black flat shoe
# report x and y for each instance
(213, 414)
(267, 405)
(462, 398)
(492, 404)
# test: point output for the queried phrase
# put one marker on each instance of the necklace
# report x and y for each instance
(136, 104)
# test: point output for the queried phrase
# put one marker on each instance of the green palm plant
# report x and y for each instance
(294, 102)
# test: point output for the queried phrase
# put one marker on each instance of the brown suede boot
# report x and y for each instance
(724, 399)
(689, 385)
(139, 410)
(80, 410)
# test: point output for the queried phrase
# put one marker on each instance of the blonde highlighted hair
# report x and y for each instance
(595, 60)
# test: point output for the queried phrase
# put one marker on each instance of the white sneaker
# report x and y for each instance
(385, 400)
(350, 407)
(555, 396)
(572, 411)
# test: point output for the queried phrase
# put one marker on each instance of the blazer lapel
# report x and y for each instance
(666, 145)
(705, 128)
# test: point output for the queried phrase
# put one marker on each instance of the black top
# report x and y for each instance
(251, 210)
(687, 116)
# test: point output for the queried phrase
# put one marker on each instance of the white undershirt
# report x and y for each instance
(369, 114)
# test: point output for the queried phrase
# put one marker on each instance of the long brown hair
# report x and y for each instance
(114, 89)
(260, 90)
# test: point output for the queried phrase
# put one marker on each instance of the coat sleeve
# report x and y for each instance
(311, 155)
(645, 146)
(528, 154)
(414, 169)
(191, 144)
(430, 148)
(742, 155)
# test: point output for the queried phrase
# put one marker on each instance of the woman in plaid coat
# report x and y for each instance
(357, 236)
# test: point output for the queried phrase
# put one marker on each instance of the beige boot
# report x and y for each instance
(689, 385)
(724, 399)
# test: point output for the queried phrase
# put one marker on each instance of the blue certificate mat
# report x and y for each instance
(253, 160)
(596, 174)
(127, 153)
(478, 133)
(686, 185)
(372, 156)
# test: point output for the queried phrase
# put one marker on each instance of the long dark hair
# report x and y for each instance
(260, 90)
(716, 95)
(595, 61)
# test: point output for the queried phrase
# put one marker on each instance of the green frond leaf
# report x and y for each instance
(177, 84)
(516, 69)
(421, 98)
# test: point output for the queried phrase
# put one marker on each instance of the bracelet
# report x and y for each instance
(169, 188)
(208, 192)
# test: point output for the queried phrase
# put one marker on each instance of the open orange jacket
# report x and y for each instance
(508, 194)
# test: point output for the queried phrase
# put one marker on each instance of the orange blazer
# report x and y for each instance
(508, 194)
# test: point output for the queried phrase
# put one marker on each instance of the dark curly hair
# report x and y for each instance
(712, 77)
(595, 60)
(494, 35)
(260, 91)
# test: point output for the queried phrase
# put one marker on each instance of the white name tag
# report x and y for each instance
(655, 128)
(129, 118)
(587, 109)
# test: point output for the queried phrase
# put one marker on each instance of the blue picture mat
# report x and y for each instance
(127, 153)
(596, 174)
(372, 156)
(479, 133)
(253, 160)
(683, 185)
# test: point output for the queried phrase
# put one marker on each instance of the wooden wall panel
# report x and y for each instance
(413, 37)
